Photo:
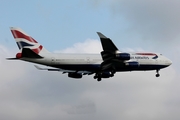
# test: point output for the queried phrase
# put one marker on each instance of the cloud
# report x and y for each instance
(26, 93)
(92, 46)
(88, 46)
(155, 20)
(85, 107)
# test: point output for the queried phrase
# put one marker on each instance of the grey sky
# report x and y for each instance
(156, 20)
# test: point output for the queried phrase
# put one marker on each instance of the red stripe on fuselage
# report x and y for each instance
(18, 34)
(148, 54)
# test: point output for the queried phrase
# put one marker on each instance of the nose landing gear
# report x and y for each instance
(157, 73)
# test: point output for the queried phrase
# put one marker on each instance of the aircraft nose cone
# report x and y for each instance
(169, 62)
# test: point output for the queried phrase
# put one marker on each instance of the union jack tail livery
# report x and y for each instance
(23, 40)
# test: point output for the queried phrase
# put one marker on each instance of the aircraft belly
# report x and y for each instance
(142, 67)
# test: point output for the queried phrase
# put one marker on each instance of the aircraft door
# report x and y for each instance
(53, 60)
(88, 60)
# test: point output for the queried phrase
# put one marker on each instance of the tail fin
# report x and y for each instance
(23, 40)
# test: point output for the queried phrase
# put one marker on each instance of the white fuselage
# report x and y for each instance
(92, 62)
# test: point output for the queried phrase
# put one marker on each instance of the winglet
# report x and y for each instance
(101, 35)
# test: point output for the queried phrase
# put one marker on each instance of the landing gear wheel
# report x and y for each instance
(157, 75)
(95, 77)
(99, 79)
(112, 73)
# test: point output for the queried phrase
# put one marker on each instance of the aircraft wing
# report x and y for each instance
(108, 53)
(65, 71)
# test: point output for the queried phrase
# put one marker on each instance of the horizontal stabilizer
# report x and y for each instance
(12, 58)
(28, 53)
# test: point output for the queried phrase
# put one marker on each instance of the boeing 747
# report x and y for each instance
(102, 65)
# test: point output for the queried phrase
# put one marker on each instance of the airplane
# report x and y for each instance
(103, 65)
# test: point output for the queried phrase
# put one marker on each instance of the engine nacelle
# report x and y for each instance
(105, 75)
(133, 64)
(75, 75)
(123, 56)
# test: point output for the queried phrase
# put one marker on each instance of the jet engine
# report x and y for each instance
(123, 56)
(133, 64)
(103, 75)
(106, 75)
(75, 75)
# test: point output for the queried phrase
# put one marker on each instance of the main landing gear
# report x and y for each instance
(98, 76)
(157, 73)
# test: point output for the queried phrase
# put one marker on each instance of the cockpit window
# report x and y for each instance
(155, 57)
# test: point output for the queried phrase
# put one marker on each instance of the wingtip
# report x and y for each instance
(101, 35)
